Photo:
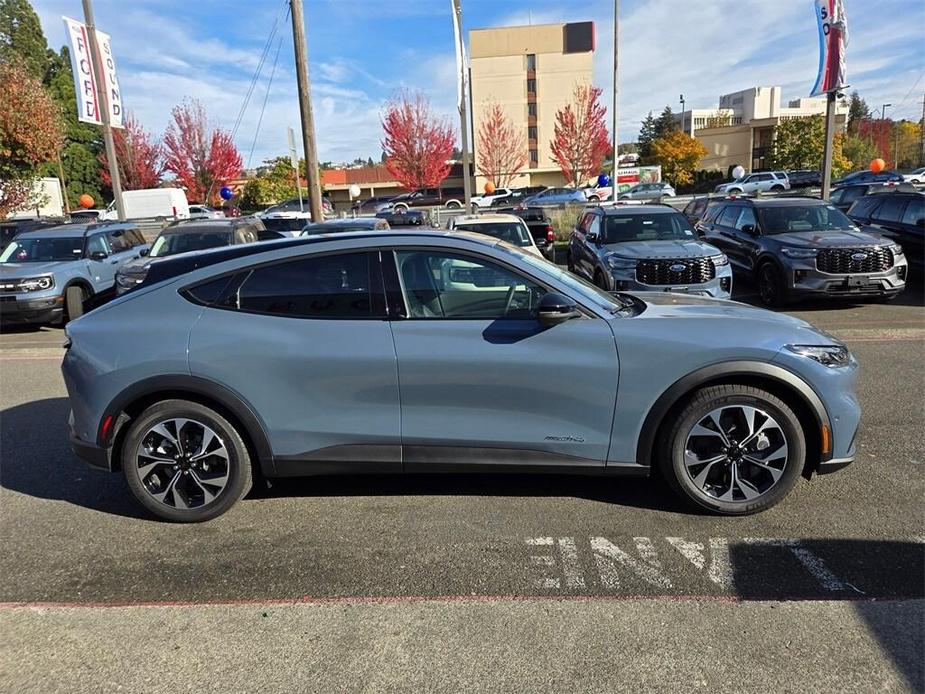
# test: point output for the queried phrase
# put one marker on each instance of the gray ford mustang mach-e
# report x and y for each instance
(391, 352)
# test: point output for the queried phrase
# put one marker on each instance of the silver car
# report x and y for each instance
(388, 352)
(762, 182)
(648, 191)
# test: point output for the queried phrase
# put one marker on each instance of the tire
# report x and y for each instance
(183, 486)
(734, 486)
(74, 298)
(772, 290)
(776, 189)
(453, 205)
(734, 191)
(593, 198)
(400, 208)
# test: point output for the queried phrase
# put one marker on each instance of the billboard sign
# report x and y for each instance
(833, 37)
(89, 95)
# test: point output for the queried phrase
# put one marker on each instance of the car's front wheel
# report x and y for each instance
(771, 289)
(733, 450)
(185, 462)
(74, 298)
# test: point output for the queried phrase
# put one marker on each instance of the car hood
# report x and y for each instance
(137, 266)
(678, 248)
(724, 319)
(829, 239)
(14, 270)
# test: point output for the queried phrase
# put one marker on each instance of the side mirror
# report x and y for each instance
(144, 251)
(556, 308)
(593, 237)
(99, 255)
(750, 229)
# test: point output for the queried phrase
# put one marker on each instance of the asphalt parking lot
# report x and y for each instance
(494, 582)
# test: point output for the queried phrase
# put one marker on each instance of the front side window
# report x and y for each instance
(747, 217)
(729, 216)
(98, 244)
(42, 250)
(438, 284)
(119, 241)
(329, 286)
(791, 218)
(647, 227)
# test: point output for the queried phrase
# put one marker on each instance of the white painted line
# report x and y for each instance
(570, 565)
(610, 558)
(813, 564)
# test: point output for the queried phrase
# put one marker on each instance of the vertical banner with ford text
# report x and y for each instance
(833, 37)
(88, 91)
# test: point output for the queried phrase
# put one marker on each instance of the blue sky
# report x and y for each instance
(362, 51)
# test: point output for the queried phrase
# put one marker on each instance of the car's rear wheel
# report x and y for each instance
(453, 205)
(185, 462)
(74, 298)
(734, 191)
(777, 188)
(733, 450)
(771, 289)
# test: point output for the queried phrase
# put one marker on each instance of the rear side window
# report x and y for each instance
(891, 210)
(330, 286)
(209, 292)
(915, 211)
(863, 206)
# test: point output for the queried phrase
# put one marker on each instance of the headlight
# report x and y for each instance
(618, 263)
(719, 260)
(832, 356)
(897, 249)
(127, 282)
(35, 284)
(799, 252)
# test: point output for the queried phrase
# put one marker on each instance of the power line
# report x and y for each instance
(266, 96)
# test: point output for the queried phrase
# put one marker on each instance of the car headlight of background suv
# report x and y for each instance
(832, 356)
(29, 284)
(719, 260)
(616, 262)
(792, 252)
(128, 281)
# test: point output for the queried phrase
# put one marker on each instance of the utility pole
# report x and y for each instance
(922, 133)
(461, 74)
(830, 100)
(103, 108)
(305, 111)
(616, 94)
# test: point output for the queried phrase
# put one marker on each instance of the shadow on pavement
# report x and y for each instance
(744, 290)
(899, 627)
(37, 461)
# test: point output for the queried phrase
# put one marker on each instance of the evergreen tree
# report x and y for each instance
(665, 124)
(647, 134)
(21, 36)
(857, 111)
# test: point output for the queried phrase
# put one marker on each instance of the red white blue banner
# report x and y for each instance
(833, 37)
(88, 90)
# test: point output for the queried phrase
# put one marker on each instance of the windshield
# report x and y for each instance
(780, 220)
(659, 226)
(43, 250)
(182, 242)
(512, 232)
(598, 297)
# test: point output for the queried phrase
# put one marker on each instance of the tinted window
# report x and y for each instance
(915, 211)
(891, 210)
(863, 206)
(747, 216)
(209, 292)
(836, 196)
(512, 232)
(445, 285)
(98, 243)
(37, 250)
(119, 241)
(729, 216)
(185, 241)
(712, 211)
(852, 194)
(331, 286)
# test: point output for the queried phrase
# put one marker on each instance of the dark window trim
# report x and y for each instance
(393, 284)
(239, 275)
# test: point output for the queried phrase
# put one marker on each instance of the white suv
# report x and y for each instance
(756, 183)
(479, 201)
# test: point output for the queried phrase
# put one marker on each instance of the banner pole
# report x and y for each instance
(831, 98)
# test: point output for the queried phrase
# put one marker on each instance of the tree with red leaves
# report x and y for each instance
(203, 160)
(417, 142)
(581, 140)
(140, 157)
(502, 150)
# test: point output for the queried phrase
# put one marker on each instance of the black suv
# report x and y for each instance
(867, 176)
(188, 236)
(794, 247)
(898, 214)
(804, 178)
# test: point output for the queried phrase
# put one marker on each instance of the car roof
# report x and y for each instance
(172, 266)
(65, 231)
(625, 210)
(486, 218)
(369, 222)
(794, 201)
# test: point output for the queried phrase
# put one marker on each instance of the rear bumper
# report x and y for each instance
(14, 309)
(95, 456)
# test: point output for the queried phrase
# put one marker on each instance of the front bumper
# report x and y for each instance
(23, 308)
(805, 280)
(720, 287)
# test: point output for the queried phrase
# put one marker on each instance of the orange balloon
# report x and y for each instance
(489, 188)
(86, 201)
(877, 165)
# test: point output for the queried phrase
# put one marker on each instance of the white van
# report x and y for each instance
(152, 203)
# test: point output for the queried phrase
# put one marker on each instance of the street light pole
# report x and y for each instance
(305, 111)
(682, 113)
(616, 93)
(103, 108)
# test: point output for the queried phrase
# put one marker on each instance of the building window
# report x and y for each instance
(531, 132)
(534, 156)
(531, 86)
(531, 61)
(531, 110)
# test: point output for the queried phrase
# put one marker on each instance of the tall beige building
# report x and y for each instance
(530, 71)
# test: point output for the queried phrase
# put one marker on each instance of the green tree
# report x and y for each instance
(859, 151)
(21, 36)
(800, 144)
(83, 141)
(276, 182)
(857, 111)
(647, 135)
